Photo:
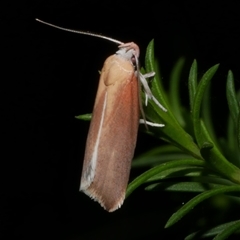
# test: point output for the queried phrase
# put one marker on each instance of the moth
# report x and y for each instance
(114, 125)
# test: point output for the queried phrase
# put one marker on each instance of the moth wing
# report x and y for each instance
(112, 135)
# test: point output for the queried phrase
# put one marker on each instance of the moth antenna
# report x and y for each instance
(81, 32)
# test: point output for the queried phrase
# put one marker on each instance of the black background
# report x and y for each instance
(49, 76)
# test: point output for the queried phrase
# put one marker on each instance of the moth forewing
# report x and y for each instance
(112, 135)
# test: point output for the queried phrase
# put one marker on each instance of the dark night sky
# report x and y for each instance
(49, 76)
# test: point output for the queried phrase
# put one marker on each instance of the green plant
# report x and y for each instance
(193, 158)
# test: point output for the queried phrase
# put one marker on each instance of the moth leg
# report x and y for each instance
(142, 121)
(147, 90)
